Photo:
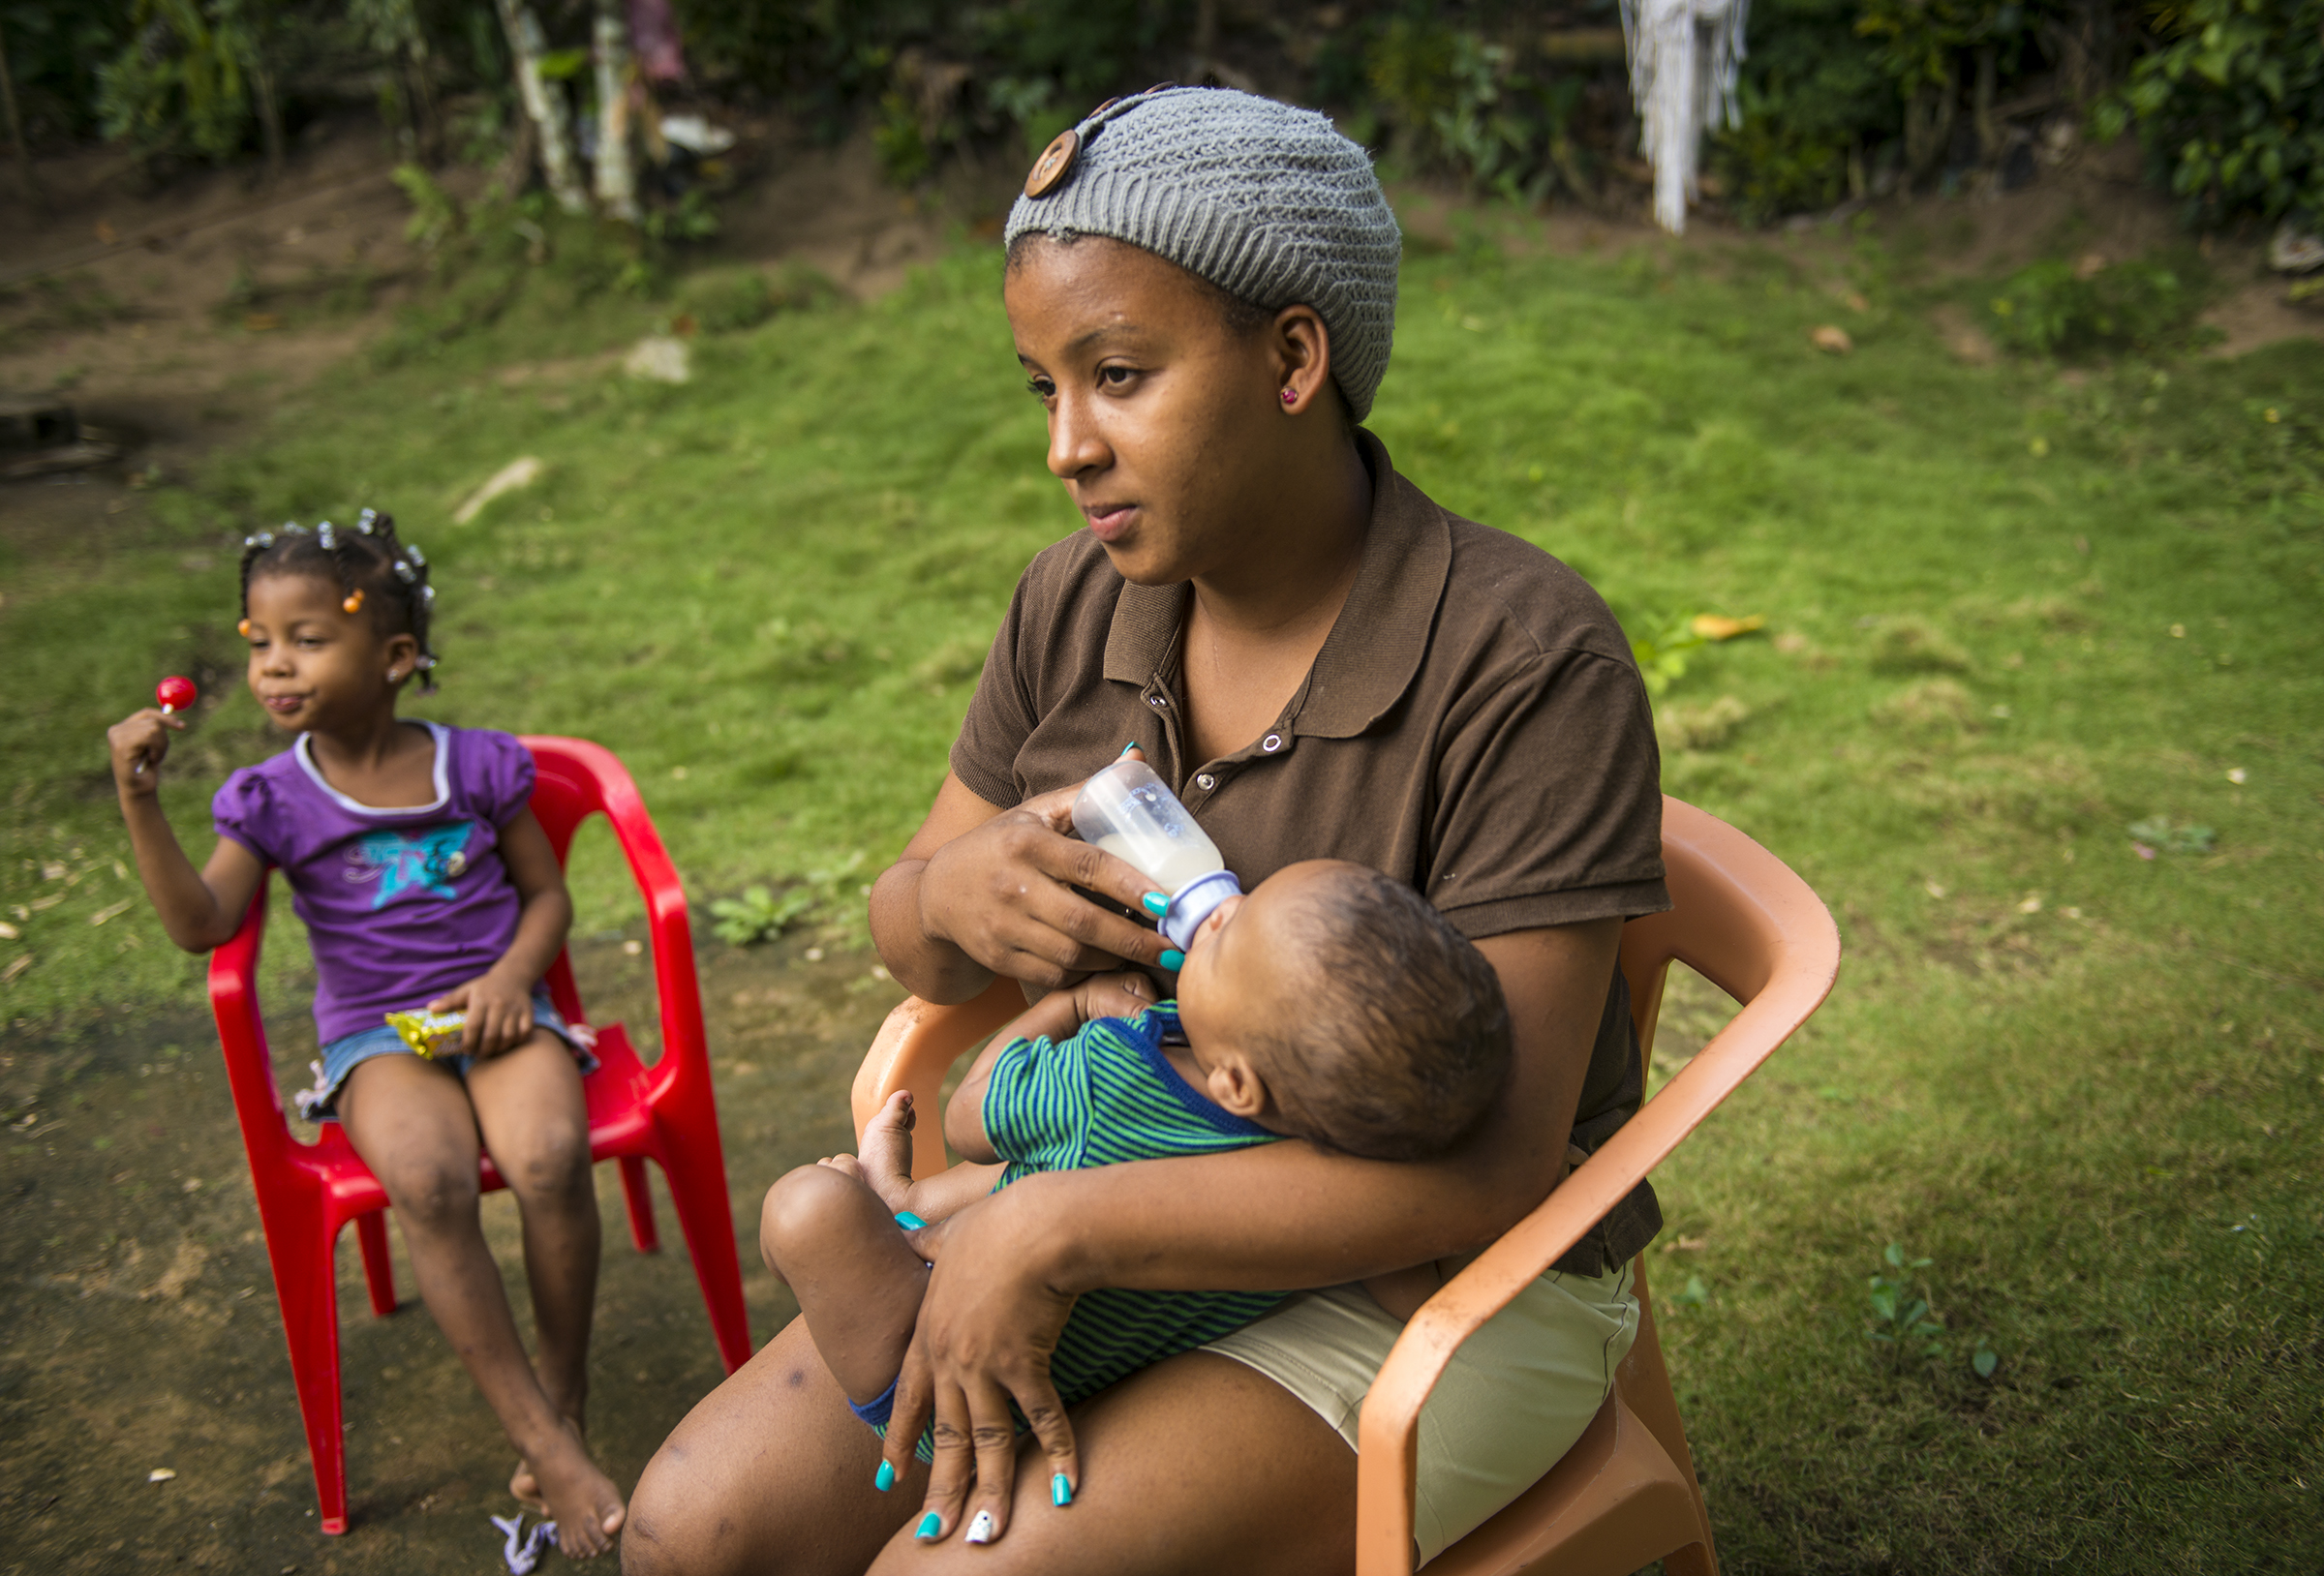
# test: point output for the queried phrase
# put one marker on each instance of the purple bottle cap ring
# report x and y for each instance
(1194, 903)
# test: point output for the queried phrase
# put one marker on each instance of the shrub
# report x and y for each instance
(2232, 107)
(2057, 308)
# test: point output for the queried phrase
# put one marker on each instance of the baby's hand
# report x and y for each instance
(1123, 993)
(500, 1014)
(137, 745)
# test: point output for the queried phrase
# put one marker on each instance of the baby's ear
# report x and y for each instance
(1236, 1086)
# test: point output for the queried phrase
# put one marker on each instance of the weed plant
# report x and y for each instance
(2009, 616)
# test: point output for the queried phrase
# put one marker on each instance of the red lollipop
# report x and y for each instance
(175, 694)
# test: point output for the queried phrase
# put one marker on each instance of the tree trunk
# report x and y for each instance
(1928, 126)
(544, 109)
(270, 113)
(15, 132)
(617, 173)
(1989, 131)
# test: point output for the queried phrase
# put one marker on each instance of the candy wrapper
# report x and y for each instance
(428, 1033)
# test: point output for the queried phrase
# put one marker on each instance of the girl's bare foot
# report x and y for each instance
(586, 1505)
(525, 1487)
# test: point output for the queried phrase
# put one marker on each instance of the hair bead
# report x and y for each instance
(405, 572)
(352, 602)
(243, 629)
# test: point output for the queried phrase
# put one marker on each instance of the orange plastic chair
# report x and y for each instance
(1625, 1495)
(307, 1192)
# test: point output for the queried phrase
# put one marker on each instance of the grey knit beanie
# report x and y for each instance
(1268, 202)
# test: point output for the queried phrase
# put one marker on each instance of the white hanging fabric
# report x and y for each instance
(1684, 57)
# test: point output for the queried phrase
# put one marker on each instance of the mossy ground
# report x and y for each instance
(2011, 610)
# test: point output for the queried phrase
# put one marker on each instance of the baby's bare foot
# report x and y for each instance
(586, 1508)
(884, 1157)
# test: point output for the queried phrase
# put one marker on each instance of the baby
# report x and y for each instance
(1331, 1004)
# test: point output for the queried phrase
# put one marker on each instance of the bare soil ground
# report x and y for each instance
(140, 1330)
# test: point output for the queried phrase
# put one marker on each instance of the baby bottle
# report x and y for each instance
(1126, 810)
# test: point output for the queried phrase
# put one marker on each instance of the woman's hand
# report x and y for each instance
(1000, 890)
(989, 1322)
(138, 743)
(499, 1009)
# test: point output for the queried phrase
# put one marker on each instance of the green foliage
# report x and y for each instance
(761, 915)
(728, 300)
(1662, 657)
(55, 53)
(1900, 1320)
(758, 915)
(182, 82)
(1816, 109)
(2232, 106)
(2160, 834)
(435, 215)
(1457, 101)
(2058, 307)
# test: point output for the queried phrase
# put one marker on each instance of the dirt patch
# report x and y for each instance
(141, 1330)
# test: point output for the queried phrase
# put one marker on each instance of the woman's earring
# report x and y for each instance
(1291, 396)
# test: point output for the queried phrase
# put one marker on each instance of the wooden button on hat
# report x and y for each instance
(1055, 163)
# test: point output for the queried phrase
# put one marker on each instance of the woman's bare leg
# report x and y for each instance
(1197, 1464)
(414, 1126)
(534, 1120)
(770, 1472)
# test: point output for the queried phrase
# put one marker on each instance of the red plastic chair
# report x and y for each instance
(308, 1190)
(1625, 1495)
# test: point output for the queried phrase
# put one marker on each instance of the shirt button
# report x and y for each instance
(1206, 781)
(1273, 742)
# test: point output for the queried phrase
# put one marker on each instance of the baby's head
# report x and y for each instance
(1332, 1003)
(345, 596)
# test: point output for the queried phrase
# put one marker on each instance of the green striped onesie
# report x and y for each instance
(1106, 1095)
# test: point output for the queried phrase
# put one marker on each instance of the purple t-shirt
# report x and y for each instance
(400, 905)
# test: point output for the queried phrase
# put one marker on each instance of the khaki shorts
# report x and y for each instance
(1514, 1399)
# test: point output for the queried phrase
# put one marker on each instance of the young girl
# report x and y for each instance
(424, 881)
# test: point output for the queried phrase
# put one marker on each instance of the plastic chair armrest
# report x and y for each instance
(914, 1048)
(1388, 1430)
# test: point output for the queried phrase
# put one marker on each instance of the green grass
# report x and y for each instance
(2011, 611)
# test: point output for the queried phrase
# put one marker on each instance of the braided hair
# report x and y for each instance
(371, 567)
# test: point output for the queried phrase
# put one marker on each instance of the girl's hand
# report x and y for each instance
(500, 1014)
(1002, 892)
(138, 743)
(989, 1323)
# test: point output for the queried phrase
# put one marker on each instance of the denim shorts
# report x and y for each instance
(343, 1055)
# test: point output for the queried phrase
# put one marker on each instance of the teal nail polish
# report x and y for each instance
(1157, 903)
(1131, 745)
(1060, 1492)
(1172, 960)
(910, 1221)
(885, 1478)
(930, 1526)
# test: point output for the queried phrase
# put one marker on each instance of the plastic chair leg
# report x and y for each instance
(639, 1200)
(698, 1193)
(379, 1269)
(307, 1289)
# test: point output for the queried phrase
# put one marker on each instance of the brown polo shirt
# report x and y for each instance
(1474, 724)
